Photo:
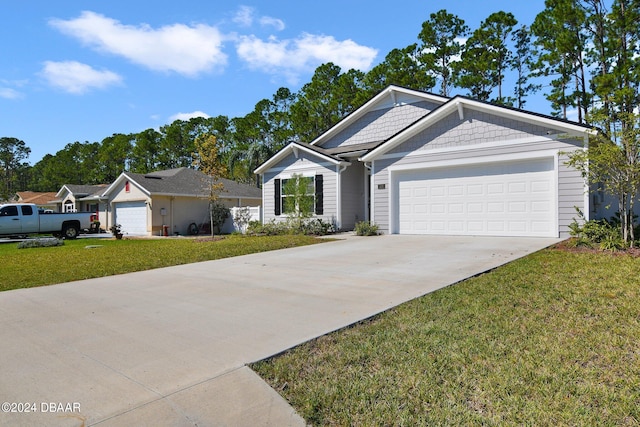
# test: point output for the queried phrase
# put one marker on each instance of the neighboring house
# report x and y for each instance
(41, 200)
(147, 204)
(80, 198)
(417, 163)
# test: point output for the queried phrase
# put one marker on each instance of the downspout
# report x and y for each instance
(171, 215)
(587, 190)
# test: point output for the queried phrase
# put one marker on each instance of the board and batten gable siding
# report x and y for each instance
(308, 165)
(490, 144)
(379, 125)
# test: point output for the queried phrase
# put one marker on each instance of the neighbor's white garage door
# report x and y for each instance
(494, 199)
(132, 216)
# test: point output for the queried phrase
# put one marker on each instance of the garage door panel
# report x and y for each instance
(517, 187)
(495, 188)
(475, 208)
(514, 199)
(132, 216)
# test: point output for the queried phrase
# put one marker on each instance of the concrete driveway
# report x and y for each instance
(168, 347)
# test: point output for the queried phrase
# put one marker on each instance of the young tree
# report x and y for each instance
(298, 198)
(612, 161)
(207, 162)
(441, 44)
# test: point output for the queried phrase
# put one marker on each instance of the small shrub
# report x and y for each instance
(317, 227)
(592, 233)
(271, 228)
(45, 242)
(242, 217)
(309, 227)
(612, 243)
(365, 228)
(219, 214)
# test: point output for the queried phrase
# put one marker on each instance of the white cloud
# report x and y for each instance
(77, 78)
(186, 50)
(307, 52)
(267, 21)
(9, 93)
(244, 16)
(187, 116)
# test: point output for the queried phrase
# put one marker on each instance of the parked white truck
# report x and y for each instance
(22, 219)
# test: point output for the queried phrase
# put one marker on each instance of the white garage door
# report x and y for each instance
(133, 217)
(495, 199)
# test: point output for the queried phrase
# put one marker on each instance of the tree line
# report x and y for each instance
(585, 52)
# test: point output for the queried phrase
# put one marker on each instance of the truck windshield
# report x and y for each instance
(9, 211)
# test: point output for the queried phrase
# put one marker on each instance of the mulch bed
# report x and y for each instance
(566, 245)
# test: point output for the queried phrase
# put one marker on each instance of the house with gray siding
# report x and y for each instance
(417, 163)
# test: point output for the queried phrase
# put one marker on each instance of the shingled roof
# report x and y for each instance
(187, 182)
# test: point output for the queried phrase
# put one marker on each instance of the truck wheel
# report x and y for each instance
(70, 232)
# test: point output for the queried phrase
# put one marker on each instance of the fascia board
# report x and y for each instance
(364, 109)
(121, 178)
(453, 105)
(285, 152)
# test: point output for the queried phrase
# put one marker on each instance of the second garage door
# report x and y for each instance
(133, 217)
(493, 199)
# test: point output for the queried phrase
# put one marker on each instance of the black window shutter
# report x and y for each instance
(277, 202)
(319, 196)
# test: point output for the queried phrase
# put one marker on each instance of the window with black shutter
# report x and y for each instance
(319, 195)
(277, 198)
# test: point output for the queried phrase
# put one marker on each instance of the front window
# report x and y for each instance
(9, 211)
(298, 195)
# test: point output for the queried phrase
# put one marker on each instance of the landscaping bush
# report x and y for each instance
(596, 233)
(365, 228)
(309, 227)
(45, 242)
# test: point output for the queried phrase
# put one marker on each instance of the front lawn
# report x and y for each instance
(89, 258)
(550, 339)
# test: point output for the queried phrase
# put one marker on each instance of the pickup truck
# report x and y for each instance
(21, 219)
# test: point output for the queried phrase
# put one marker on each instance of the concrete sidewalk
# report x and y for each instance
(169, 346)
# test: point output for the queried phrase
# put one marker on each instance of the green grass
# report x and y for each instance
(24, 268)
(551, 339)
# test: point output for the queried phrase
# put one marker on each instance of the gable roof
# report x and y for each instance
(36, 197)
(391, 96)
(294, 147)
(459, 103)
(80, 191)
(394, 96)
(183, 182)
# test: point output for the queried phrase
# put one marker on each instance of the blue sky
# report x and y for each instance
(83, 70)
